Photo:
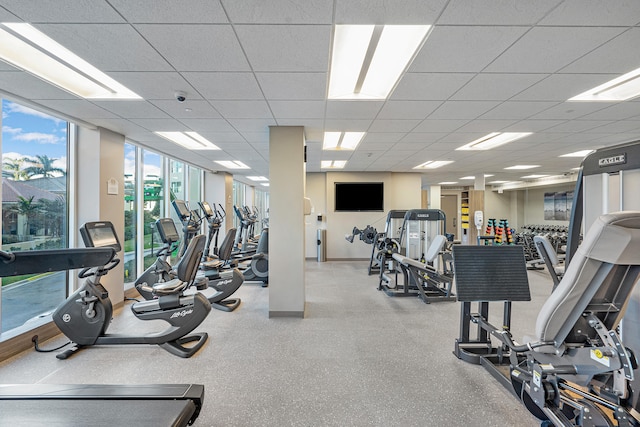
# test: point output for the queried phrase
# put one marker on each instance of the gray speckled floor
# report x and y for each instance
(359, 358)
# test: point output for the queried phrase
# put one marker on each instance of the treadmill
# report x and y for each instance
(89, 404)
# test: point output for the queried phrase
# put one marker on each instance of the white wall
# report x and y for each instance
(401, 191)
(534, 203)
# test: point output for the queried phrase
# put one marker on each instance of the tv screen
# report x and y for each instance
(359, 196)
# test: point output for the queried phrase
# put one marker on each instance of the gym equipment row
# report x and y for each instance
(61, 404)
(421, 257)
(578, 367)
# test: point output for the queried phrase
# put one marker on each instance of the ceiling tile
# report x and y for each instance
(70, 11)
(225, 85)
(560, 87)
(296, 86)
(516, 110)
(374, 137)
(155, 85)
(138, 109)
(279, 11)
(408, 109)
(243, 109)
(344, 109)
(440, 125)
(570, 110)
(252, 125)
(30, 87)
(79, 108)
(161, 125)
(423, 137)
(462, 109)
(194, 109)
(101, 46)
(429, 86)
(201, 125)
(619, 55)
(594, 12)
(196, 47)
(169, 11)
(501, 12)
(416, 12)
(353, 125)
(393, 125)
(549, 49)
(578, 125)
(298, 47)
(485, 126)
(476, 47)
(617, 111)
(297, 109)
(499, 87)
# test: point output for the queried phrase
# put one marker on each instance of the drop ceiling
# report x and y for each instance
(501, 66)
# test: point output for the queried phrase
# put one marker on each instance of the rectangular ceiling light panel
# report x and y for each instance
(258, 178)
(22, 46)
(522, 167)
(368, 60)
(433, 164)
(190, 140)
(333, 164)
(342, 140)
(582, 153)
(493, 140)
(232, 164)
(622, 88)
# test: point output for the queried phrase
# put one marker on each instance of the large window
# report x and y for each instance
(130, 214)
(34, 207)
(153, 188)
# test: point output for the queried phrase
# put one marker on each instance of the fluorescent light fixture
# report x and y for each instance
(447, 182)
(575, 169)
(498, 182)
(582, 153)
(493, 140)
(266, 184)
(258, 178)
(232, 164)
(627, 86)
(368, 60)
(190, 140)
(522, 167)
(333, 164)
(22, 46)
(534, 176)
(486, 175)
(342, 140)
(433, 164)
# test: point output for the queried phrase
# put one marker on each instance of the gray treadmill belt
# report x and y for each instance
(98, 413)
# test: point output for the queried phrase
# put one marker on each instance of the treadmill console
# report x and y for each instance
(181, 209)
(100, 234)
(206, 208)
(167, 230)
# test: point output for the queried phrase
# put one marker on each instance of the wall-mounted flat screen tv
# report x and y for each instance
(359, 196)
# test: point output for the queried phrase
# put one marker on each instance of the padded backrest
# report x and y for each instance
(434, 248)
(188, 265)
(549, 251)
(599, 278)
(263, 242)
(226, 247)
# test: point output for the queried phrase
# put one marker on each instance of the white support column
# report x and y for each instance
(101, 158)
(479, 182)
(435, 191)
(286, 221)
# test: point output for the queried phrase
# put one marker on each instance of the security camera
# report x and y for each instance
(181, 96)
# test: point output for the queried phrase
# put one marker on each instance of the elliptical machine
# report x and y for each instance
(224, 282)
(85, 315)
(255, 267)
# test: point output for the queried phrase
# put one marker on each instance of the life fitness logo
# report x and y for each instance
(182, 313)
(66, 318)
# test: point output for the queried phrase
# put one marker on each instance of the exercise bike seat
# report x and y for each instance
(185, 270)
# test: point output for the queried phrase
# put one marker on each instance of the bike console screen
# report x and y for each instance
(100, 234)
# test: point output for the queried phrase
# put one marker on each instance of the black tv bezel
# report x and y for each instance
(335, 196)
